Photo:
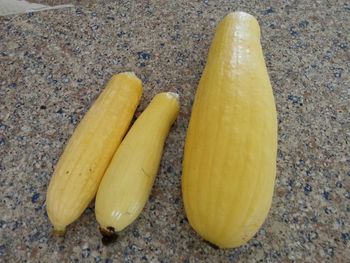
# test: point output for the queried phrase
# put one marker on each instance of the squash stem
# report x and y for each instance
(59, 231)
(108, 235)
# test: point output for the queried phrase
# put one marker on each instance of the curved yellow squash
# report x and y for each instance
(229, 164)
(127, 183)
(90, 149)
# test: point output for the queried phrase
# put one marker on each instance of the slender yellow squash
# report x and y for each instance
(90, 149)
(229, 164)
(127, 183)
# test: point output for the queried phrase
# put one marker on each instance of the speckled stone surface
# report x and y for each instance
(53, 65)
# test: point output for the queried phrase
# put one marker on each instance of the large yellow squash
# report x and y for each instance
(127, 183)
(229, 164)
(90, 149)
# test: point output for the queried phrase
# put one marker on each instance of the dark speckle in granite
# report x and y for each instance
(94, 27)
(143, 55)
(74, 118)
(337, 72)
(2, 250)
(303, 24)
(345, 237)
(268, 11)
(13, 85)
(35, 197)
(307, 188)
(293, 32)
(326, 195)
(54, 64)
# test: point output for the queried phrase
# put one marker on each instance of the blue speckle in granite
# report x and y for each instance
(97, 259)
(268, 11)
(73, 118)
(340, 222)
(35, 237)
(94, 27)
(170, 169)
(343, 46)
(327, 211)
(328, 55)
(108, 260)
(64, 78)
(329, 251)
(303, 24)
(326, 196)
(183, 221)
(121, 33)
(13, 85)
(135, 233)
(2, 250)
(338, 184)
(295, 220)
(272, 26)
(2, 141)
(78, 12)
(345, 237)
(177, 200)
(15, 225)
(312, 235)
(307, 188)
(301, 162)
(337, 72)
(35, 197)
(143, 55)
(293, 32)
(295, 99)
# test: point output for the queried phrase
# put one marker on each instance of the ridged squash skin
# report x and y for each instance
(229, 165)
(90, 149)
(127, 183)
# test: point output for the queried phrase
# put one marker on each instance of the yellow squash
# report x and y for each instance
(229, 164)
(90, 149)
(127, 183)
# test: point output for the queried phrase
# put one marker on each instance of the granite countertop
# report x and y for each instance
(53, 64)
